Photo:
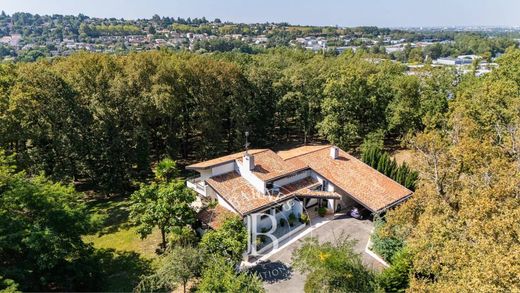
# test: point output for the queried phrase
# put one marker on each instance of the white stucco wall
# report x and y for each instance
(330, 187)
(251, 178)
(222, 169)
(223, 203)
(290, 179)
(205, 174)
(315, 176)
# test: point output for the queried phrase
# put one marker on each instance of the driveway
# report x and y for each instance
(276, 271)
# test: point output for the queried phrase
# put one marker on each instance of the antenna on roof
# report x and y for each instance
(247, 143)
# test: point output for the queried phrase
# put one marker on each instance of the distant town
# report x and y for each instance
(27, 37)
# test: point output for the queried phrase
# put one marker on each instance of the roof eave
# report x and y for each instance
(393, 204)
(194, 167)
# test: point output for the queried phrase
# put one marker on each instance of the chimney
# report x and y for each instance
(334, 152)
(249, 161)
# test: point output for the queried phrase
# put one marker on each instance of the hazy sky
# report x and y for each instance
(388, 13)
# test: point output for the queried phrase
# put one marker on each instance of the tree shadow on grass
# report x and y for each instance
(121, 270)
(112, 213)
(272, 272)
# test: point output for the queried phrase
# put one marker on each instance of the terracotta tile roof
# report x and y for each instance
(215, 217)
(268, 166)
(362, 182)
(304, 183)
(237, 192)
(288, 154)
(366, 185)
(308, 193)
(222, 160)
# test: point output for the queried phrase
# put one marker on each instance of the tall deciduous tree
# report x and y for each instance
(165, 204)
(461, 225)
(41, 224)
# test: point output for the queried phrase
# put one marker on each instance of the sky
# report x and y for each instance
(383, 13)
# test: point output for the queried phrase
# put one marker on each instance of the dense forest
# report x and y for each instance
(104, 121)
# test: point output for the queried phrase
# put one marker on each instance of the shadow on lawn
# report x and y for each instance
(112, 213)
(121, 270)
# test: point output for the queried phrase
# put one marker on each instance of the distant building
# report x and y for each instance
(12, 40)
(453, 61)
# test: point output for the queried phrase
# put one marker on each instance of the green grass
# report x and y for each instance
(124, 254)
(127, 239)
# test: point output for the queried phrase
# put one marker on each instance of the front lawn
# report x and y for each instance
(127, 256)
(127, 239)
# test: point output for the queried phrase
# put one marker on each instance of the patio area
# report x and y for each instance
(281, 233)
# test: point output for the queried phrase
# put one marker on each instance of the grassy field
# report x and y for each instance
(127, 255)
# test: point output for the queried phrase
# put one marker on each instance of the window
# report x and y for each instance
(325, 185)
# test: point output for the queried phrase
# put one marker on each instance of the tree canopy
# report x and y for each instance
(164, 204)
(461, 227)
(41, 224)
(332, 267)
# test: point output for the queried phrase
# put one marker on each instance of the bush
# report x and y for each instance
(383, 245)
(184, 236)
(395, 278)
(322, 211)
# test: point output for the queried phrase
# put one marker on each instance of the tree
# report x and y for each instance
(356, 96)
(373, 142)
(415, 56)
(165, 204)
(373, 155)
(404, 111)
(229, 241)
(162, 205)
(332, 267)
(41, 224)
(8, 286)
(220, 276)
(166, 170)
(303, 87)
(469, 183)
(178, 266)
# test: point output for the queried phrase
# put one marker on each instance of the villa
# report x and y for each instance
(285, 185)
